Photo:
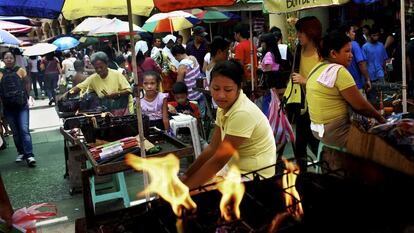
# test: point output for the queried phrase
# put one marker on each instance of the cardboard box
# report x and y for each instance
(376, 149)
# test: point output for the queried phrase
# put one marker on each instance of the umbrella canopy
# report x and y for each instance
(89, 24)
(88, 40)
(114, 26)
(276, 6)
(170, 22)
(17, 19)
(64, 43)
(15, 27)
(232, 16)
(210, 16)
(172, 5)
(39, 49)
(73, 9)
(7, 39)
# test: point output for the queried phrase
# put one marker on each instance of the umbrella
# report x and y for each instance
(115, 26)
(39, 49)
(211, 16)
(17, 19)
(66, 42)
(170, 22)
(73, 9)
(171, 5)
(7, 39)
(88, 40)
(232, 16)
(89, 24)
(14, 27)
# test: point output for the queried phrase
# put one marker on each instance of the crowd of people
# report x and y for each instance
(318, 82)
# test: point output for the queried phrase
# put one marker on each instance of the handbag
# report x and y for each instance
(293, 100)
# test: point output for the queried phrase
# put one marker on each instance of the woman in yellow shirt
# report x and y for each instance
(240, 123)
(330, 89)
(309, 32)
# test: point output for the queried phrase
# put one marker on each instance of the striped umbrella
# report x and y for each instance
(170, 22)
(15, 27)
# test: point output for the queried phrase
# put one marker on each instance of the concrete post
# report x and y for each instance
(321, 13)
(279, 20)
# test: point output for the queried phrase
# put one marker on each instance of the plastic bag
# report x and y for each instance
(25, 218)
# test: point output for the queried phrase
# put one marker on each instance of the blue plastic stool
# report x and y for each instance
(320, 149)
(122, 192)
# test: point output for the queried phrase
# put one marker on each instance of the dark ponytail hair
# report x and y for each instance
(271, 46)
(140, 58)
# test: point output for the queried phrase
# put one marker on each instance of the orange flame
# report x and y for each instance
(164, 180)
(232, 189)
(291, 194)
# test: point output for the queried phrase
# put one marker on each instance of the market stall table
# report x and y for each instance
(117, 164)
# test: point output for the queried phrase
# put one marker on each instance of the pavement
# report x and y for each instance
(46, 183)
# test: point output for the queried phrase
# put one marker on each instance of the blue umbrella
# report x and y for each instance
(8, 39)
(66, 42)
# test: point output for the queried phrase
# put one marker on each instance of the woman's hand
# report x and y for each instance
(297, 78)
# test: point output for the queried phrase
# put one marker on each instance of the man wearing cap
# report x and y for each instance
(198, 47)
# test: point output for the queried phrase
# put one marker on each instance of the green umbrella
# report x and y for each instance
(88, 40)
(209, 16)
(212, 16)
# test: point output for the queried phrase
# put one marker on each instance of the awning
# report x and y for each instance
(285, 6)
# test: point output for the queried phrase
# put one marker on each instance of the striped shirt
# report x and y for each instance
(192, 74)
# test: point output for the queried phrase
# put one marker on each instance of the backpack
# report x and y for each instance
(12, 91)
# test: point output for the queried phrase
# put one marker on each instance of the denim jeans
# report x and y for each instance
(51, 84)
(19, 123)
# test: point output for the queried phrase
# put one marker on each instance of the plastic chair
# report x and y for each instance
(191, 123)
(320, 149)
(122, 192)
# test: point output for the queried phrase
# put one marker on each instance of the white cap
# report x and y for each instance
(142, 46)
(168, 38)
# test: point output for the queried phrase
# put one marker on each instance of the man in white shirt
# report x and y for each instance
(156, 43)
(169, 41)
(67, 66)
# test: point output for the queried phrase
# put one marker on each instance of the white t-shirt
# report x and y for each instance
(33, 65)
(154, 52)
(174, 61)
(69, 68)
(207, 58)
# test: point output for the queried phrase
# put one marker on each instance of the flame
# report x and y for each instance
(164, 180)
(232, 189)
(292, 198)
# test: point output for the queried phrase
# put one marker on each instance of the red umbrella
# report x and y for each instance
(14, 27)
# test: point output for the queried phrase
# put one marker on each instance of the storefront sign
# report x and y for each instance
(284, 6)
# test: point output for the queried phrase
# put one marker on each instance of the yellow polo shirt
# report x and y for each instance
(327, 104)
(244, 119)
(114, 82)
